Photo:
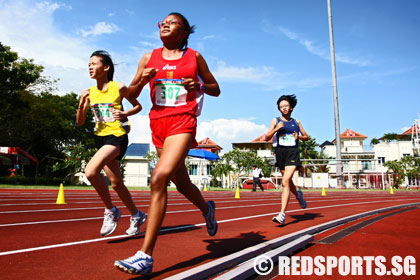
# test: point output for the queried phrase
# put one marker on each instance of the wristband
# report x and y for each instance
(201, 86)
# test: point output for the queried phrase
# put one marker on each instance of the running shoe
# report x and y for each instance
(302, 201)
(211, 222)
(140, 263)
(111, 218)
(135, 223)
(280, 218)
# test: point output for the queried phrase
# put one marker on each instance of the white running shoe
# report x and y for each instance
(280, 218)
(140, 263)
(110, 221)
(135, 223)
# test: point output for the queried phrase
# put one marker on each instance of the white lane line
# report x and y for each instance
(330, 198)
(181, 227)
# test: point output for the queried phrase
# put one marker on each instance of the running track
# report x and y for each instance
(43, 240)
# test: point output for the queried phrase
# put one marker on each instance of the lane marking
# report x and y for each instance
(331, 239)
(176, 228)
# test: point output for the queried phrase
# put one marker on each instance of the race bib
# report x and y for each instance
(103, 112)
(170, 93)
(287, 140)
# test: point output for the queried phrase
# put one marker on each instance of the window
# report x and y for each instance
(193, 169)
(366, 165)
(381, 160)
(209, 169)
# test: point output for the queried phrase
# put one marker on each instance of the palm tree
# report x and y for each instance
(389, 137)
(220, 169)
(374, 141)
(308, 151)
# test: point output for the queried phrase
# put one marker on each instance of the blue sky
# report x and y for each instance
(257, 51)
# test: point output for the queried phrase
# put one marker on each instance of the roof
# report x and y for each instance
(261, 139)
(352, 134)
(137, 149)
(410, 130)
(208, 144)
(257, 143)
(326, 143)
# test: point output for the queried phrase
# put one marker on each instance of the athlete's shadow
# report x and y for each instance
(216, 248)
(163, 231)
(300, 218)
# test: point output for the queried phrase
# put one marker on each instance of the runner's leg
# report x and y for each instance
(93, 171)
(113, 172)
(287, 185)
(174, 151)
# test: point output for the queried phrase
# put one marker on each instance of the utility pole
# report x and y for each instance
(339, 166)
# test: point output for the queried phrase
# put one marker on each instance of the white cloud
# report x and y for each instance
(29, 30)
(312, 48)
(51, 7)
(264, 75)
(99, 29)
(208, 37)
(140, 129)
(222, 131)
(250, 73)
(227, 131)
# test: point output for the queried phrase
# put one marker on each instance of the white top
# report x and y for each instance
(256, 173)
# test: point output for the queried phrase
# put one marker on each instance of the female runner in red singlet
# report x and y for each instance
(178, 77)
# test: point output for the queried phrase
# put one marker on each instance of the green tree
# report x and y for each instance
(390, 137)
(34, 118)
(396, 167)
(219, 170)
(374, 141)
(75, 161)
(308, 151)
(243, 162)
(152, 157)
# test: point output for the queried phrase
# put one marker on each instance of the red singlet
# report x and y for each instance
(168, 95)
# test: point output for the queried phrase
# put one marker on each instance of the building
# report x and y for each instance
(362, 164)
(359, 165)
(200, 169)
(137, 169)
(263, 147)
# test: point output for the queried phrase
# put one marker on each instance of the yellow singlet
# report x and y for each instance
(102, 104)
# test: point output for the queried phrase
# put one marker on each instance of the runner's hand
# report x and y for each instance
(295, 135)
(119, 115)
(148, 74)
(190, 84)
(84, 98)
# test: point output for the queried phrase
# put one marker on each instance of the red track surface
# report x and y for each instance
(30, 219)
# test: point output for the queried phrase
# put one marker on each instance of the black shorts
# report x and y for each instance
(287, 156)
(121, 141)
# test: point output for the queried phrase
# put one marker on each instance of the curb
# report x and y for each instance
(227, 262)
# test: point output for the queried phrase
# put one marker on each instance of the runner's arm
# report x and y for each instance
(121, 115)
(142, 77)
(83, 107)
(209, 85)
(274, 127)
(304, 136)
